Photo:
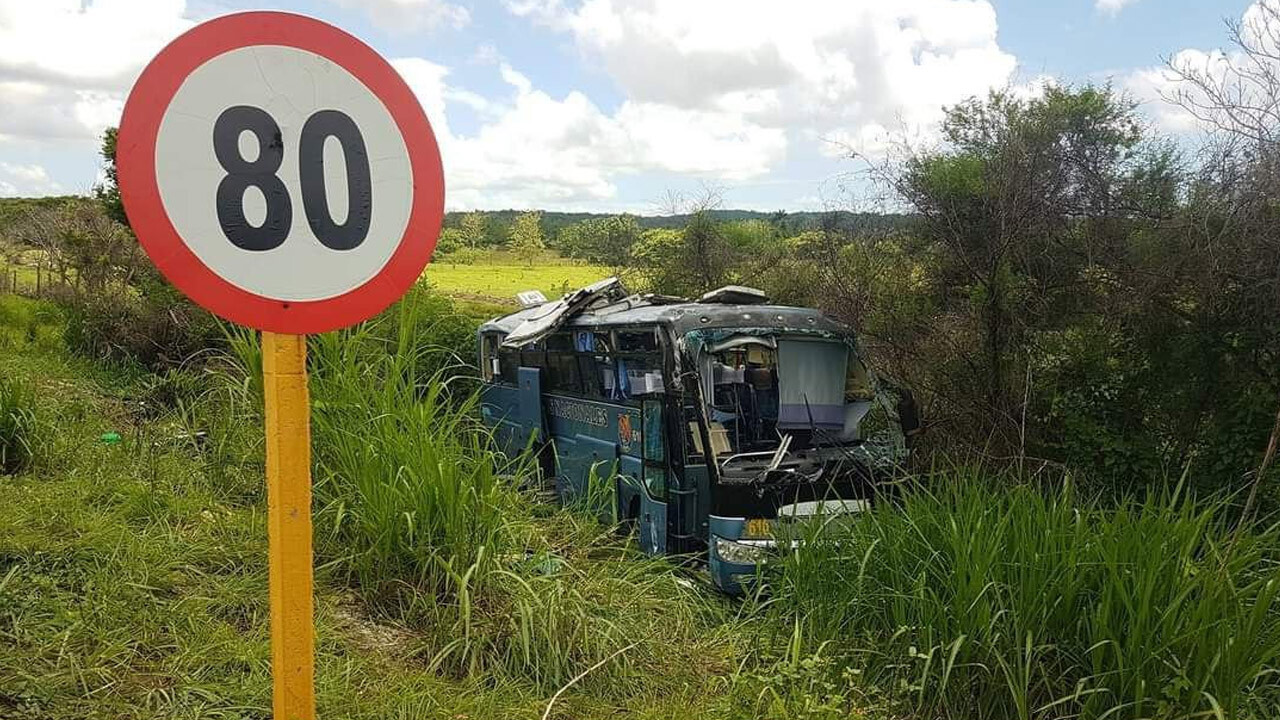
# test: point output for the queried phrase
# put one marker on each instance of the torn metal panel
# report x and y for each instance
(546, 319)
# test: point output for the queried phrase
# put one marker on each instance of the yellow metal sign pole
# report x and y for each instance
(288, 415)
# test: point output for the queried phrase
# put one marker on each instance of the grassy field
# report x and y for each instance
(24, 275)
(500, 283)
(483, 288)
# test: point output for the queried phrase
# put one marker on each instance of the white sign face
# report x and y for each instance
(283, 173)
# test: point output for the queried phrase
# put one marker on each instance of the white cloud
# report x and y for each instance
(66, 65)
(403, 16)
(1111, 7)
(715, 89)
(1156, 86)
(25, 181)
(96, 45)
(813, 67)
(1152, 87)
(537, 150)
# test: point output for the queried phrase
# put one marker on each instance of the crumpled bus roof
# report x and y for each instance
(605, 304)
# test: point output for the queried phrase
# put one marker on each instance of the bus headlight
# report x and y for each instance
(740, 553)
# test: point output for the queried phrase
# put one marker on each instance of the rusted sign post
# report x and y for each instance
(282, 175)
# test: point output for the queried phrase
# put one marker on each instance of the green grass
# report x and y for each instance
(977, 600)
(500, 283)
(17, 426)
(426, 519)
(23, 272)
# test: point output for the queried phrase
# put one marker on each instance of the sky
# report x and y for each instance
(621, 105)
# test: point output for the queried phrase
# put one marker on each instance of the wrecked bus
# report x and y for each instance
(712, 420)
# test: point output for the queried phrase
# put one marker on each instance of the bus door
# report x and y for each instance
(654, 509)
(531, 428)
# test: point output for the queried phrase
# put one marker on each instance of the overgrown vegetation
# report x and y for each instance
(984, 598)
(445, 587)
(423, 516)
(1070, 289)
(17, 426)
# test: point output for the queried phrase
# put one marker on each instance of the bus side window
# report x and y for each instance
(655, 456)
(606, 371)
(508, 364)
(562, 365)
(489, 369)
(589, 376)
(640, 370)
(637, 341)
(533, 356)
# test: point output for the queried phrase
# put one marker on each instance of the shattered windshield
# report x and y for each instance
(765, 391)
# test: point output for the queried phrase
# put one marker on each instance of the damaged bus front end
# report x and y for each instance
(796, 426)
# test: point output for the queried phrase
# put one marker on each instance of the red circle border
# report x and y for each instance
(135, 159)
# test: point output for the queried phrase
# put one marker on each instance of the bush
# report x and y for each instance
(157, 330)
(982, 602)
(17, 426)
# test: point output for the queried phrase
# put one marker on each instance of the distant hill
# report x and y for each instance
(792, 221)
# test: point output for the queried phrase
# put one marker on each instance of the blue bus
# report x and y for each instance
(713, 421)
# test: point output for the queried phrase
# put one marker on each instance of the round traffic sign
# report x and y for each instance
(280, 173)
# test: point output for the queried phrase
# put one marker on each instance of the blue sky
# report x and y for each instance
(613, 105)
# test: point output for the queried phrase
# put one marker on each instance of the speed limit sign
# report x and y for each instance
(280, 173)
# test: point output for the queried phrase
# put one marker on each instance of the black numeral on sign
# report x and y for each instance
(261, 173)
(315, 199)
(243, 174)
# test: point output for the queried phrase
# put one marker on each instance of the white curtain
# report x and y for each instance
(811, 378)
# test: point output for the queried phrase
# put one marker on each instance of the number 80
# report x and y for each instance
(261, 172)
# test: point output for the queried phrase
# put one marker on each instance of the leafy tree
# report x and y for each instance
(1021, 197)
(526, 239)
(601, 241)
(473, 231)
(450, 241)
(108, 192)
(689, 261)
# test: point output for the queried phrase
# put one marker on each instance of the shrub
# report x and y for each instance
(460, 255)
(977, 601)
(17, 426)
(157, 330)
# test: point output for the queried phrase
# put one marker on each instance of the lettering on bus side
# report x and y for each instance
(592, 415)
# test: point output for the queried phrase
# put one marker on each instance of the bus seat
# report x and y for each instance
(760, 378)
